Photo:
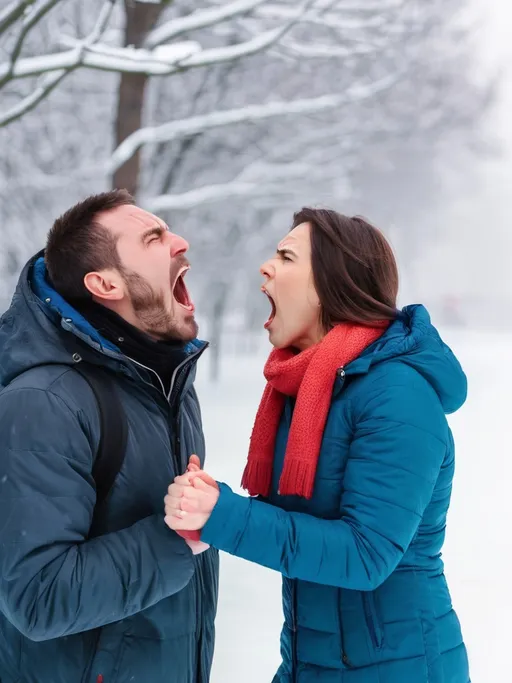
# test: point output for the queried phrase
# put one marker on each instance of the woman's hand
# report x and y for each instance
(190, 500)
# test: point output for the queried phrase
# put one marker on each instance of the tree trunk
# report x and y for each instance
(140, 19)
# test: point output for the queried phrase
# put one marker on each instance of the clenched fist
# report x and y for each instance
(189, 503)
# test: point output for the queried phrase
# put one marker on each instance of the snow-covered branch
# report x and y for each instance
(158, 62)
(259, 179)
(327, 51)
(163, 61)
(263, 180)
(46, 85)
(52, 79)
(247, 48)
(206, 194)
(328, 19)
(199, 124)
(30, 19)
(198, 20)
(10, 14)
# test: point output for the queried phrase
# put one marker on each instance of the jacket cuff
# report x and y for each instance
(228, 520)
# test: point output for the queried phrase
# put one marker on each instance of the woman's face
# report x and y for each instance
(295, 316)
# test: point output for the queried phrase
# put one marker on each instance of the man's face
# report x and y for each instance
(152, 295)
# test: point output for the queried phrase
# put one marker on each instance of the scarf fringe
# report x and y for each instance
(257, 478)
(297, 479)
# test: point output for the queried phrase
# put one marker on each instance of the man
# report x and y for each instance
(123, 599)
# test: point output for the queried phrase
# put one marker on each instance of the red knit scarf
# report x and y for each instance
(309, 376)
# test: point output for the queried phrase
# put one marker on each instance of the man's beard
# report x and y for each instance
(152, 314)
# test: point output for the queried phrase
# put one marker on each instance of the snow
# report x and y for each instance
(478, 550)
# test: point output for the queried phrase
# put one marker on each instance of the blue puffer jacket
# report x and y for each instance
(129, 604)
(364, 593)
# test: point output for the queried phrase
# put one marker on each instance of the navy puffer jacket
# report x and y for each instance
(131, 603)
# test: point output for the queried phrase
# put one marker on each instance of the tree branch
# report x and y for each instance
(219, 191)
(250, 47)
(28, 23)
(198, 124)
(329, 20)
(258, 179)
(198, 20)
(12, 13)
(51, 80)
(327, 51)
(163, 61)
(48, 83)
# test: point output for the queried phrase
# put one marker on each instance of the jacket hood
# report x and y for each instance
(41, 328)
(412, 339)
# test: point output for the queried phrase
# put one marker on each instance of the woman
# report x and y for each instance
(351, 464)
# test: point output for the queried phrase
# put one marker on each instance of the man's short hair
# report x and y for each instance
(78, 244)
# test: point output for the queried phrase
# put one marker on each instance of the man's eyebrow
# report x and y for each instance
(158, 230)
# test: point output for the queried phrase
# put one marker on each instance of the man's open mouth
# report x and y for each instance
(273, 310)
(180, 292)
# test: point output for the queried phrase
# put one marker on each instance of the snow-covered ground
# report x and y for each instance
(478, 551)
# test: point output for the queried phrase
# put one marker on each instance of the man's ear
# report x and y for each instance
(106, 285)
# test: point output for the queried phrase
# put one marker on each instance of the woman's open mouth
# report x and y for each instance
(180, 292)
(272, 312)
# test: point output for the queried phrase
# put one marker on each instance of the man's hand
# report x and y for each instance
(197, 547)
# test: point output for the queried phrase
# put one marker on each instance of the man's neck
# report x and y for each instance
(160, 356)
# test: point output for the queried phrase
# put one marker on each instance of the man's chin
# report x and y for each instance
(189, 329)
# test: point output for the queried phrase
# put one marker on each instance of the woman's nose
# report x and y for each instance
(266, 269)
(178, 245)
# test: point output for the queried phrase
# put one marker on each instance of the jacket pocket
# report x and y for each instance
(343, 643)
(372, 619)
(294, 629)
(289, 633)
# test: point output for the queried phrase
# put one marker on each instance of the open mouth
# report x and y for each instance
(180, 292)
(273, 310)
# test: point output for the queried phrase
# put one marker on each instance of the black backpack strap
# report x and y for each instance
(113, 425)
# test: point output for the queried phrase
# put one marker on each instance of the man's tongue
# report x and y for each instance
(181, 294)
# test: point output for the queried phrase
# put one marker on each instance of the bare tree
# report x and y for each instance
(228, 116)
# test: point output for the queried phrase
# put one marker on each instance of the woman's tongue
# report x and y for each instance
(272, 314)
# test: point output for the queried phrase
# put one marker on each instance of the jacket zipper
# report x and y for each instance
(176, 441)
(176, 451)
(199, 617)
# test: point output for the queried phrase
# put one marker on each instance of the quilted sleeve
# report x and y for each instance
(54, 581)
(393, 463)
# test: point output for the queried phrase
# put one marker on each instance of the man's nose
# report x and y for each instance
(178, 245)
